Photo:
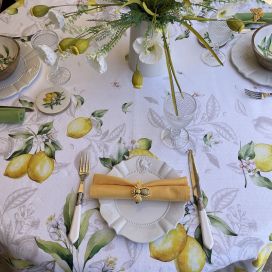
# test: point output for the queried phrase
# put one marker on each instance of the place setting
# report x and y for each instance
(149, 166)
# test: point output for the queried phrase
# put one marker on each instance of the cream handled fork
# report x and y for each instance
(84, 169)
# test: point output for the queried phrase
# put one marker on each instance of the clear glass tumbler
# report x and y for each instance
(176, 136)
(58, 75)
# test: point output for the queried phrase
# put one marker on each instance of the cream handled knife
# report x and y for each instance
(207, 237)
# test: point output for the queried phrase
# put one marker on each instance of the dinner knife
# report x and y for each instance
(207, 237)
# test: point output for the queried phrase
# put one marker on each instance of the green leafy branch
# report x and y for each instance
(28, 136)
(62, 251)
(247, 153)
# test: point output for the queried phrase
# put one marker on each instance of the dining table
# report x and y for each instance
(230, 137)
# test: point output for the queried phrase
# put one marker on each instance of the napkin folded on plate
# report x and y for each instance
(12, 115)
(111, 187)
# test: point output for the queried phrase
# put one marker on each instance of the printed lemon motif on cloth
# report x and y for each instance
(255, 159)
(81, 126)
(36, 155)
(183, 249)
(168, 247)
(40, 167)
(17, 167)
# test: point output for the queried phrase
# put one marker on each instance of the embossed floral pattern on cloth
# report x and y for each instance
(230, 134)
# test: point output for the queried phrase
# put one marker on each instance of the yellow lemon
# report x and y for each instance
(168, 247)
(144, 143)
(141, 152)
(79, 127)
(80, 46)
(17, 167)
(263, 256)
(40, 167)
(263, 157)
(192, 258)
(66, 43)
(39, 10)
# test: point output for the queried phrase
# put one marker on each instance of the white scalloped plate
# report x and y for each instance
(243, 58)
(26, 71)
(148, 220)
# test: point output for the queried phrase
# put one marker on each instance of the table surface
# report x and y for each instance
(225, 120)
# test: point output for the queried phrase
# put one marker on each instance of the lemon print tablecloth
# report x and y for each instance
(230, 133)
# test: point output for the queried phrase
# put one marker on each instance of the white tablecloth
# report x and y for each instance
(223, 112)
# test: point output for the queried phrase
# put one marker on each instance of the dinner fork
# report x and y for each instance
(83, 171)
(257, 95)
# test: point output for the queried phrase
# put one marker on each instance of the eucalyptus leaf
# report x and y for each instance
(247, 152)
(80, 100)
(97, 241)
(21, 135)
(84, 224)
(62, 255)
(106, 162)
(25, 149)
(45, 128)
(198, 237)
(261, 181)
(221, 225)
(68, 210)
(99, 113)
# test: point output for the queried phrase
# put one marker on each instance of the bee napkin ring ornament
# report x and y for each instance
(139, 192)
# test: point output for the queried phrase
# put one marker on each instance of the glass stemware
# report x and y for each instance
(58, 75)
(219, 34)
(177, 136)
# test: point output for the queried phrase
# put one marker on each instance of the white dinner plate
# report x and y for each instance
(243, 58)
(148, 220)
(26, 71)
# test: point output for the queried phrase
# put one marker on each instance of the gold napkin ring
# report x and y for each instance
(138, 192)
(258, 13)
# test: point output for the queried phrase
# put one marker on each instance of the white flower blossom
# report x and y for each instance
(97, 61)
(225, 12)
(150, 50)
(56, 18)
(47, 54)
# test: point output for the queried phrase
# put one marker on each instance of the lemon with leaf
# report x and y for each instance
(192, 258)
(168, 247)
(263, 157)
(17, 167)
(79, 127)
(40, 167)
(141, 152)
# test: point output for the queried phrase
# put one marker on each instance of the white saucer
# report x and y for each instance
(26, 71)
(243, 58)
(59, 102)
(148, 220)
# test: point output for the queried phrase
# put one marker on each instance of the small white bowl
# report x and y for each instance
(262, 46)
(13, 48)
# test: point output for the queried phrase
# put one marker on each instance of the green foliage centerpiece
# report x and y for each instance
(108, 28)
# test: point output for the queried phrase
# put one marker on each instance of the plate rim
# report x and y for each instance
(177, 207)
(241, 71)
(30, 56)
